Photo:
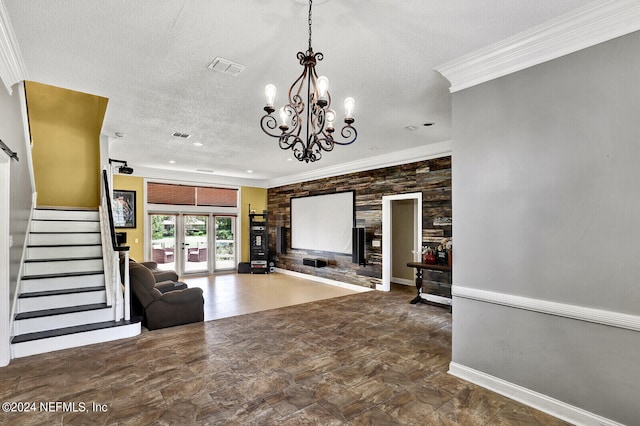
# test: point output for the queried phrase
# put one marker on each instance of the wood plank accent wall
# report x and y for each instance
(431, 177)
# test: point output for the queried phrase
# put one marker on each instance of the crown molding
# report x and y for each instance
(192, 177)
(12, 68)
(584, 27)
(425, 152)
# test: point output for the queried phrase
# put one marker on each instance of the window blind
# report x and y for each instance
(187, 195)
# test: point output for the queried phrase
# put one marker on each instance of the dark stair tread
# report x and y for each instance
(65, 220)
(67, 208)
(62, 232)
(62, 259)
(60, 292)
(62, 245)
(62, 275)
(61, 311)
(21, 338)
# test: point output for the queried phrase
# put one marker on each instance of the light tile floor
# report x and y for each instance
(231, 294)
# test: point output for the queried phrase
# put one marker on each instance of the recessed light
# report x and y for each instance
(198, 144)
(289, 159)
(249, 171)
(172, 162)
(410, 128)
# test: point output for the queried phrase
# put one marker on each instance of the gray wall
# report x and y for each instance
(12, 134)
(546, 190)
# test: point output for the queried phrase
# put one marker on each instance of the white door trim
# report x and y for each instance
(5, 243)
(386, 232)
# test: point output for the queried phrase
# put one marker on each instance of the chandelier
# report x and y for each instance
(319, 115)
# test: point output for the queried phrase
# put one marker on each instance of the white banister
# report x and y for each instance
(127, 293)
(117, 284)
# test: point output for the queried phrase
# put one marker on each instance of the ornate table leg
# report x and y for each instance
(418, 299)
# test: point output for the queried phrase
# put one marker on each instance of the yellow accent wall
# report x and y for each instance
(257, 197)
(135, 236)
(65, 135)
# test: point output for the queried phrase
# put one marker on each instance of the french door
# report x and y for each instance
(225, 242)
(183, 242)
(195, 244)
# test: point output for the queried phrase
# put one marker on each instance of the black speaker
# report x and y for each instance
(244, 268)
(358, 243)
(121, 238)
(281, 239)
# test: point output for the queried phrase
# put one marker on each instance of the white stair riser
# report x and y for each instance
(60, 267)
(33, 325)
(63, 252)
(19, 350)
(30, 304)
(66, 214)
(64, 226)
(62, 238)
(62, 283)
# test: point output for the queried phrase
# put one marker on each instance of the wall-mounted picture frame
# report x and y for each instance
(124, 208)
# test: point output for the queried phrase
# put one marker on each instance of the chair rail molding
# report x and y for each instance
(584, 27)
(582, 313)
(12, 67)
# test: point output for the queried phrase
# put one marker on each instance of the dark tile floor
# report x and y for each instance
(363, 359)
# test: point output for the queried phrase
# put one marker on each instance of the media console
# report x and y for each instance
(316, 263)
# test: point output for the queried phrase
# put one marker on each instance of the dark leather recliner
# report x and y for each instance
(160, 310)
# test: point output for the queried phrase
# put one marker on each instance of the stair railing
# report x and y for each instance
(111, 256)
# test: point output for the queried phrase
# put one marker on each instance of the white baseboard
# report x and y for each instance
(403, 281)
(435, 298)
(531, 398)
(322, 280)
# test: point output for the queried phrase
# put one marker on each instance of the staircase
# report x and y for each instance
(63, 296)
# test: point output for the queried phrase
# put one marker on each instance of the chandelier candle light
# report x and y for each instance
(319, 115)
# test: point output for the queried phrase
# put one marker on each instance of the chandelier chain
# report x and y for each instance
(310, 4)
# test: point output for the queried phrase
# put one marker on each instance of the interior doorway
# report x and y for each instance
(415, 199)
(403, 241)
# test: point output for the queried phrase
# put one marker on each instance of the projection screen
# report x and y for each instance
(323, 222)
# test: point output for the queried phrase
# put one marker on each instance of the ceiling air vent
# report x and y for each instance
(226, 67)
(180, 135)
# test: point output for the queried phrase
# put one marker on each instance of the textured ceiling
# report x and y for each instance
(150, 58)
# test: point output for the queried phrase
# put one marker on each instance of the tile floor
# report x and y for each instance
(232, 294)
(361, 359)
